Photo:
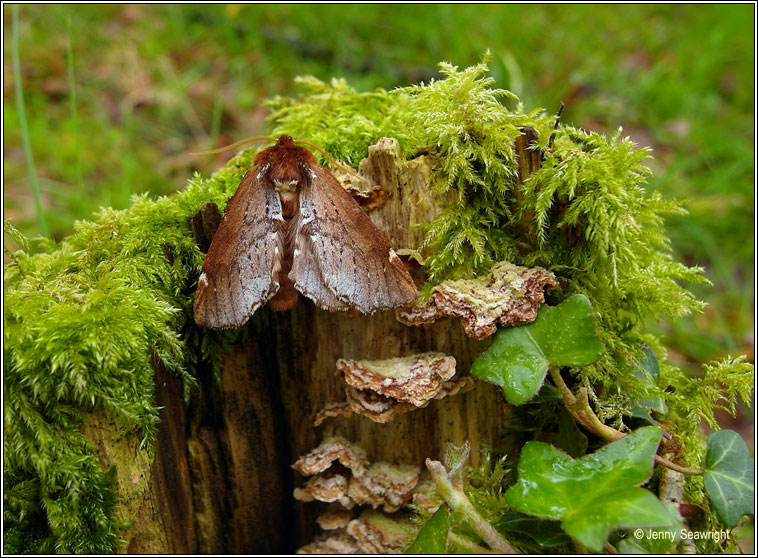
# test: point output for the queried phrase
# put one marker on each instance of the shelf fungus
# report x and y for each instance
(414, 379)
(376, 533)
(509, 295)
(334, 448)
(382, 484)
(383, 389)
(337, 480)
(325, 488)
(426, 496)
(335, 519)
(362, 189)
(371, 533)
(332, 543)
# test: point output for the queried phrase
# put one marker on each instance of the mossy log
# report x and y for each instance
(221, 480)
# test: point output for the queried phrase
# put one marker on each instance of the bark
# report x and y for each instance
(221, 481)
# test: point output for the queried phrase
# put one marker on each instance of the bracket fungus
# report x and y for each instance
(378, 485)
(382, 484)
(386, 485)
(382, 389)
(413, 379)
(509, 295)
(335, 519)
(325, 488)
(334, 448)
(332, 543)
(361, 188)
(371, 533)
(376, 533)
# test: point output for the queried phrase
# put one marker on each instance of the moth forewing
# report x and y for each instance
(354, 261)
(240, 270)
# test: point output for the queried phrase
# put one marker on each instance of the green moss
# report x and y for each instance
(85, 319)
(83, 323)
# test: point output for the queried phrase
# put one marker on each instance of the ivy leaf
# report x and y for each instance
(544, 531)
(594, 494)
(546, 394)
(728, 477)
(519, 357)
(648, 372)
(568, 438)
(655, 541)
(433, 536)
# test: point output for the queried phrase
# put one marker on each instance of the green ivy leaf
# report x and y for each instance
(648, 372)
(594, 494)
(568, 438)
(546, 394)
(729, 475)
(519, 357)
(545, 531)
(655, 541)
(432, 538)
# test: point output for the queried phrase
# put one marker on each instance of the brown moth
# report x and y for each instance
(291, 227)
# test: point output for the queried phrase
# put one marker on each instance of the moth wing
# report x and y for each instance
(244, 259)
(341, 260)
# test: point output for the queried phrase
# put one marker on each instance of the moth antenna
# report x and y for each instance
(347, 168)
(228, 147)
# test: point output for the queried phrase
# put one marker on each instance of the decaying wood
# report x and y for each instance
(203, 225)
(221, 481)
(118, 444)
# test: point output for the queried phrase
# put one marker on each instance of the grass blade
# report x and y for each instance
(127, 115)
(74, 116)
(31, 170)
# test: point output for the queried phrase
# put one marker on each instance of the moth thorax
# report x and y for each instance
(287, 189)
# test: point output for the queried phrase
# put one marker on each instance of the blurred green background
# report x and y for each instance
(116, 97)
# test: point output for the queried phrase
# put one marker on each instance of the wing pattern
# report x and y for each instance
(241, 268)
(341, 260)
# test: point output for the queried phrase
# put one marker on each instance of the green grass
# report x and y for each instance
(74, 117)
(147, 85)
(24, 129)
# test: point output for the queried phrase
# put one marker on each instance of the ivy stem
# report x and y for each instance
(679, 468)
(459, 503)
(579, 408)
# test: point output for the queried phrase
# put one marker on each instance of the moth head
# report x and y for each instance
(288, 164)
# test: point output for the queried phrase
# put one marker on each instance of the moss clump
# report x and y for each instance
(83, 323)
(85, 319)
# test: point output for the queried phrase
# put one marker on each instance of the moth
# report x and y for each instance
(290, 227)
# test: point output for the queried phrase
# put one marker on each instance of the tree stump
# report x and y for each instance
(222, 481)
